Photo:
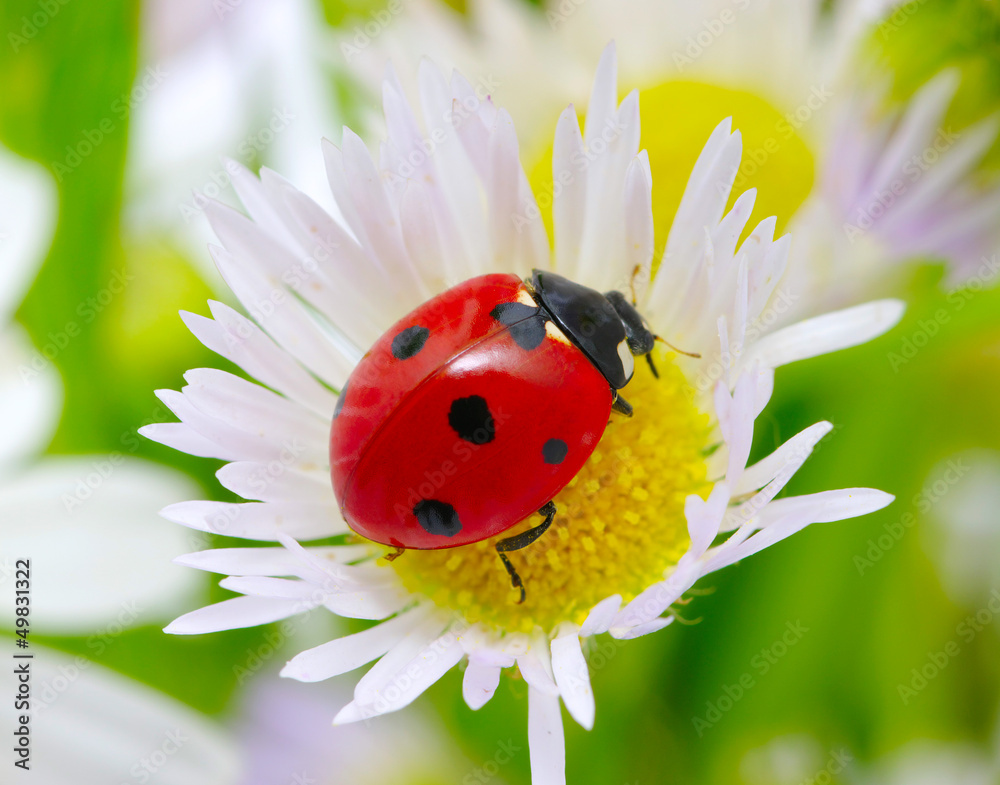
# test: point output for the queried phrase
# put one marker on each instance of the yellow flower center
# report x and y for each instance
(620, 523)
(677, 119)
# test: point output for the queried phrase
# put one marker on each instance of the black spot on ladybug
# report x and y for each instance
(554, 451)
(340, 400)
(437, 517)
(527, 324)
(471, 419)
(409, 342)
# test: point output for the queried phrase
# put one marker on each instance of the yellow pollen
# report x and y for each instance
(620, 523)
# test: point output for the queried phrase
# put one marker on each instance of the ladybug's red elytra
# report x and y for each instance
(474, 410)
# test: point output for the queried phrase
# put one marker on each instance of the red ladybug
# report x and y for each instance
(478, 407)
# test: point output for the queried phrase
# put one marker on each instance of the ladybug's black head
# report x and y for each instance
(606, 327)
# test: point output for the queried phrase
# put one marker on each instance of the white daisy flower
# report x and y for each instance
(863, 187)
(958, 504)
(666, 497)
(898, 185)
(241, 76)
(89, 504)
(93, 726)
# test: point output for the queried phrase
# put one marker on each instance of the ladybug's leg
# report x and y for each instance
(397, 551)
(620, 405)
(523, 540)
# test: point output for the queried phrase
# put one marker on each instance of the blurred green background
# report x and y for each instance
(869, 621)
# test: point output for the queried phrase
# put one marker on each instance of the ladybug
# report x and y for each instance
(474, 410)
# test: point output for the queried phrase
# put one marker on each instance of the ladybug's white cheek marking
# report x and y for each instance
(628, 361)
(556, 334)
(525, 298)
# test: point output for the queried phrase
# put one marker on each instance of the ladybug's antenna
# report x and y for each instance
(679, 351)
(631, 283)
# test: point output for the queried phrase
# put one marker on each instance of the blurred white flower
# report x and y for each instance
(285, 731)
(243, 78)
(85, 522)
(798, 759)
(888, 184)
(92, 726)
(961, 497)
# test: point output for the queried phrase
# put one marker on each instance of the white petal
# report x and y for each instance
(765, 470)
(546, 745)
(234, 614)
(230, 442)
(380, 234)
(639, 240)
(269, 482)
(736, 423)
(421, 672)
(259, 521)
(383, 672)
(352, 651)
(785, 517)
(184, 438)
(269, 586)
(239, 340)
(250, 408)
(603, 95)
(644, 629)
(535, 667)
(505, 169)
(573, 679)
(30, 393)
(919, 124)
(569, 202)
(285, 319)
(727, 233)
(828, 333)
(479, 683)
(600, 616)
(29, 205)
(242, 561)
(101, 557)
